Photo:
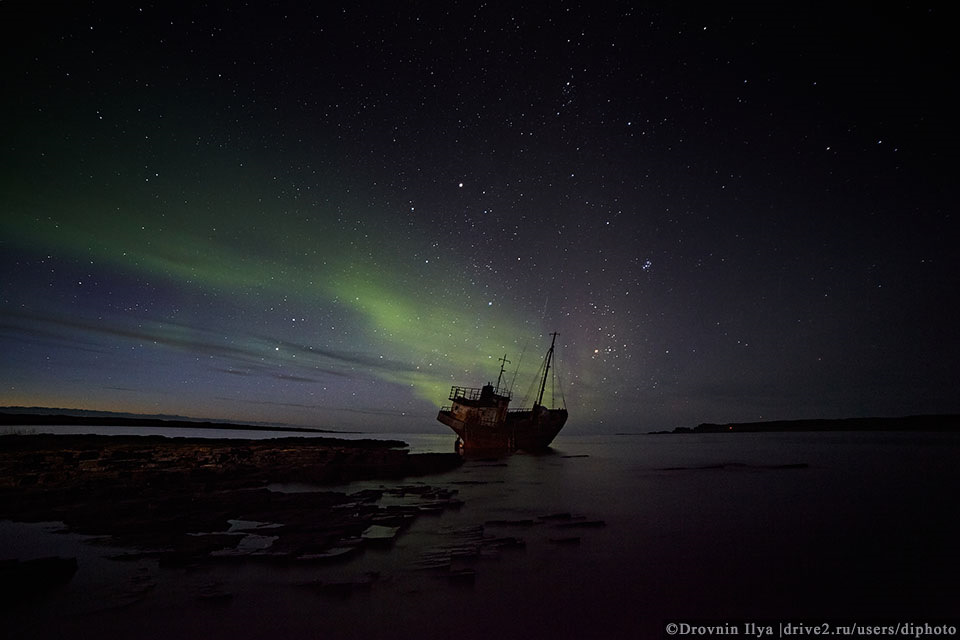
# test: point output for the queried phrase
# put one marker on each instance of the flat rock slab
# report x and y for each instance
(194, 500)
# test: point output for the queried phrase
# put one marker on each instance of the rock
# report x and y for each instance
(556, 516)
(511, 523)
(157, 494)
(379, 535)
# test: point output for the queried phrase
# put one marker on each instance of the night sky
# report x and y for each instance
(326, 216)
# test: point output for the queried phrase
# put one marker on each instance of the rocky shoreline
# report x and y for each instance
(60, 462)
(196, 500)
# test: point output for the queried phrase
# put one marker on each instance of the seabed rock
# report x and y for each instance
(582, 524)
(462, 576)
(343, 589)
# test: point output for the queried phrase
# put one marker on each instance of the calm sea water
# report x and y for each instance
(180, 432)
(719, 527)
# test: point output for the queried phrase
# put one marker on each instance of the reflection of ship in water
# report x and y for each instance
(482, 420)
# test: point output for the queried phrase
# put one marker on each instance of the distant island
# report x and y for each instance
(942, 423)
(38, 416)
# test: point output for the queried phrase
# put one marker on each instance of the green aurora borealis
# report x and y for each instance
(328, 216)
(234, 246)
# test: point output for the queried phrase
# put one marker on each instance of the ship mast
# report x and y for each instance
(503, 363)
(546, 368)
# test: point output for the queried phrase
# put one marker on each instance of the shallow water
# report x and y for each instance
(726, 527)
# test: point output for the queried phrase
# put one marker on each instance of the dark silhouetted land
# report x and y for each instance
(940, 423)
(34, 416)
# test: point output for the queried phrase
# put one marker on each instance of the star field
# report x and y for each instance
(329, 215)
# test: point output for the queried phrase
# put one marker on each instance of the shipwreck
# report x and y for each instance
(483, 420)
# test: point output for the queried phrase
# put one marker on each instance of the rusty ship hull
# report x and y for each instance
(526, 430)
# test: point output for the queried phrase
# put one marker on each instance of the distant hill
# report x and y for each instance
(31, 416)
(949, 422)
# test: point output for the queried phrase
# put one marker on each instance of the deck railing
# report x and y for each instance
(472, 393)
(467, 393)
